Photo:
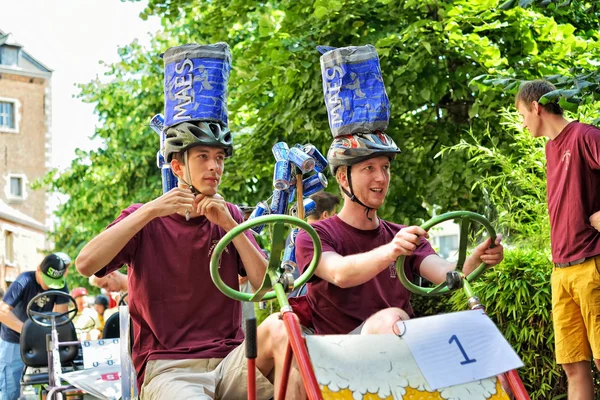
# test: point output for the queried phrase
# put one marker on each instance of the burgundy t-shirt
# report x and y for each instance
(339, 311)
(573, 179)
(177, 311)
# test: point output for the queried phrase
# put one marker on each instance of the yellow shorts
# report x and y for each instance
(576, 311)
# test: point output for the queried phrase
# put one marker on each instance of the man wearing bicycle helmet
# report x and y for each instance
(187, 334)
(49, 275)
(356, 289)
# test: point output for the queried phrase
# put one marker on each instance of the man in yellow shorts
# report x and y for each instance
(573, 180)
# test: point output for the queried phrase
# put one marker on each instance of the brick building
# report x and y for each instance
(25, 151)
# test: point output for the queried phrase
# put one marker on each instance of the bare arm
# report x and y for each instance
(61, 308)
(8, 318)
(434, 268)
(356, 269)
(102, 249)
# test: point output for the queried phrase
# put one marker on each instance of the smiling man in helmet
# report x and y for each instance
(187, 334)
(356, 289)
(49, 275)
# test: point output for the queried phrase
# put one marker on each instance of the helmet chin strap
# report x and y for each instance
(353, 196)
(188, 178)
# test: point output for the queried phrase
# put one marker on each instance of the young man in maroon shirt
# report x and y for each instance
(187, 334)
(573, 182)
(356, 288)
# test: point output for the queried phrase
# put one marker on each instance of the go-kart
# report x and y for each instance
(53, 355)
(49, 344)
(352, 366)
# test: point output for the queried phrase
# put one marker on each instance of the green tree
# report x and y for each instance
(449, 67)
(430, 52)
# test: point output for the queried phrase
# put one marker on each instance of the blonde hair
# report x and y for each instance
(93, 280)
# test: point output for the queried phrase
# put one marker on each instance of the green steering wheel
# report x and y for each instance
(465, 217)
(274, 272)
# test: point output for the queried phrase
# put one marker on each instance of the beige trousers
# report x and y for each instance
(213, 378)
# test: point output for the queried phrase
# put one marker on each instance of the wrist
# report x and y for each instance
(229, 225)
(389, 255)
(148, 211)
(469, 266)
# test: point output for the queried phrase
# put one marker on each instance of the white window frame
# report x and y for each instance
(17, 117)
(24, 182)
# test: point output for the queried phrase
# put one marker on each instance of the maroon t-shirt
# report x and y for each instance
(177, 311)
(339, 311)
(573, 179)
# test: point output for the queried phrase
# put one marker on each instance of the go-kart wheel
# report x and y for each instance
(48, 315)
(465, 218)
(277, 245)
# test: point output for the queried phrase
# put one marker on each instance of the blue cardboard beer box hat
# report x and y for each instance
(195, 85)
(354, 92)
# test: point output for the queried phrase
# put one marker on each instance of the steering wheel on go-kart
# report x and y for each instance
(274, 273)
(49, 315)
(465, 217)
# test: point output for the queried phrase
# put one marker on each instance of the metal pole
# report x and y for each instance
(292, 327)
(251, 353)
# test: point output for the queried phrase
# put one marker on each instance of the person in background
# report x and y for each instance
(1, 297)
(573, 184)
(101, 306)
(49, 275)
(86, 318)
(326, 206)
(115, 284)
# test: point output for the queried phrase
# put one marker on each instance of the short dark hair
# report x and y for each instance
(325, 202)
(533, 91)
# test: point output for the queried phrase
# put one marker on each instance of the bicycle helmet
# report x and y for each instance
(184, 136)
(352, 149)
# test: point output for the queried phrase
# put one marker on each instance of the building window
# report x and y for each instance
(16, 186)
(9, 55)
(448, 246)
(15, 189)
(7, 114)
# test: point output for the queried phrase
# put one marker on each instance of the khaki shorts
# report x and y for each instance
(215, 378)
(576, 311)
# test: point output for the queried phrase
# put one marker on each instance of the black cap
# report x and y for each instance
(53, 270)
